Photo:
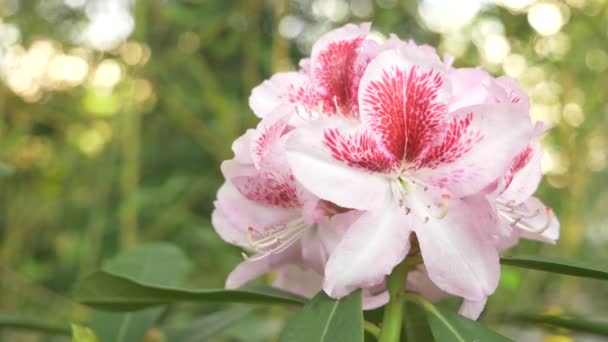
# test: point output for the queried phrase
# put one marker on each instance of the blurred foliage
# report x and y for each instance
(102, 150)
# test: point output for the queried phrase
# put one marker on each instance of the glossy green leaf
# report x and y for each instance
(83, 334)
(115, 293)
(30, 324)
(325, 319)
(562, 322)
(556, 265)
(208, 326)
(158, 263)
(448, 326)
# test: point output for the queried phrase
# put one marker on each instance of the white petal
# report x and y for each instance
(330, 179)
(494, 134)
(472, 309)
(368, 252)
(295, 279)
(459, 256)
(282, 88)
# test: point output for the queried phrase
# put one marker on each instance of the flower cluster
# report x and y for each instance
(374, 151)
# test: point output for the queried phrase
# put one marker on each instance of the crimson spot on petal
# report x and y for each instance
(359, 150)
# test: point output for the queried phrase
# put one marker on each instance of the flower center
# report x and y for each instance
(522, 218)
(412, 194)
(275, 239)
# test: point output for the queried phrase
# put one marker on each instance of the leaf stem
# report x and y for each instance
(393, 312)
(371, 328)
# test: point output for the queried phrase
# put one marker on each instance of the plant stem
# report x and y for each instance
(371, 328)
(393, 312)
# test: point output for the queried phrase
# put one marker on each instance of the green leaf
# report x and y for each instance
(556, 265)
(325, 319)
(448, 326)
(115, 293)
(416, 326)
(560, 321)
(24, 323)
(83, 334)
(157, 263)
(204, 328)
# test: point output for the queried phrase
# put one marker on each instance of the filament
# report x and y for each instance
(518, 220)
(274, 239)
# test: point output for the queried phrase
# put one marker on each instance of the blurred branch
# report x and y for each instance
(251, 40)
(280, 45)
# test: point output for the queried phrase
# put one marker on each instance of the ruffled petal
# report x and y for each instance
(369, 251)
(242, 147)
(286, 88)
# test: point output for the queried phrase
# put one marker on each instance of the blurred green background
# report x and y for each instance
(115, 116)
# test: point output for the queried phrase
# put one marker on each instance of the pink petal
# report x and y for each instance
(460, 258)
(337, 67)
(371, 302)
(524, 173)
(402, 98)
(514, 91)
(368, 252)
(322, 239)
(418, 281)
(291, 88)
(267, 135)
(472, 309)
(249, 270)
(234, 213)
(470, 86)
(271, 190)
(233, 168)
(242, 147)
(478, 147)
(295, 279)
(335, 181)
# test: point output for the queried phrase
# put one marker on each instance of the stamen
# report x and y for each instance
(520, 221)
(275, 239)
(520, 213)
(445, 201)
(403, 192)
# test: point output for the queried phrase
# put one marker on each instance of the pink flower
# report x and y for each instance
(407, 153)
(327, 82)
(262, 209)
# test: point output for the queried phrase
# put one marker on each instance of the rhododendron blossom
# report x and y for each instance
(375, 151)
(262, 209)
